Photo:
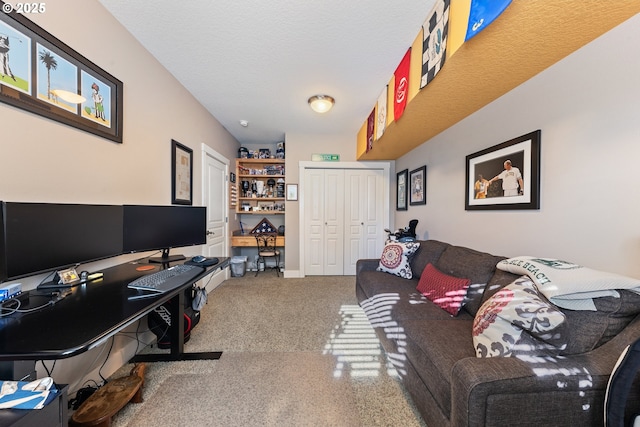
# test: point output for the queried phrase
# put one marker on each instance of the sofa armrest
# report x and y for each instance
(579, 380)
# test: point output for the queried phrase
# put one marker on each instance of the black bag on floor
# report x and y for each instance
(160, 321)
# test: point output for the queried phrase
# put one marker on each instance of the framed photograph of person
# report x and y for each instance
(505, 176)
(401, 190)
(418, 186)
(42, 75)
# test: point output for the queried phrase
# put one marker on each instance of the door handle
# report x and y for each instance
(210, 233)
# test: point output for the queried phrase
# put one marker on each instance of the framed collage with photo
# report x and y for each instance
(42, 75)
(505, 176)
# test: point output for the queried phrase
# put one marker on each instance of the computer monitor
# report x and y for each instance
(149, 228)
(43, 237)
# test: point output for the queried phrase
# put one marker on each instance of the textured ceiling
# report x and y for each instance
(260, 61)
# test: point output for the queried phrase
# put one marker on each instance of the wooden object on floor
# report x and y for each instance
(102, 405)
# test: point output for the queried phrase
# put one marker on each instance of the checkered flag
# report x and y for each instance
(434, 44)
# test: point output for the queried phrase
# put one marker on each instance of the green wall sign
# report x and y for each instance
(325, 157)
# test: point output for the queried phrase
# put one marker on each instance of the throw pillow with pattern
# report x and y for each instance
(396, 256)
(518, 321)
(447, 292)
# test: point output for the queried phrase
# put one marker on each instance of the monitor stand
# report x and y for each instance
(166, 258)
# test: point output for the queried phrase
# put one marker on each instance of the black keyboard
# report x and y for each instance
(166, 280)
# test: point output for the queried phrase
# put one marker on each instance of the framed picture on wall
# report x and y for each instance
(505, 176)
(418, 186)
(42, 75)
(401, 190)
(292, 192)
(181, 174)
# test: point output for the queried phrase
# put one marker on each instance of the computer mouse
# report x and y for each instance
(199, 259)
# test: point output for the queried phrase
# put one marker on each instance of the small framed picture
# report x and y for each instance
(232, 177)
(418, 184)
(181, 174)
(401, 190)
(292, 191)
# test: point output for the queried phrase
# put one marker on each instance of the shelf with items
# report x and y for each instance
(260, 186)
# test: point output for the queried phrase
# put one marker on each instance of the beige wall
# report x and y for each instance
(587, 108)
(45, 161)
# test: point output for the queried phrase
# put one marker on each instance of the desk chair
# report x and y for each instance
(267, 249)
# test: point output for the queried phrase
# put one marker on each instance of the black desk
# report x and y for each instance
(91, 314)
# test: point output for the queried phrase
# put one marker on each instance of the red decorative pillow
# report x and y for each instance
(444, 290)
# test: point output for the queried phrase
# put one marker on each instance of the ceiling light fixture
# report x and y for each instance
(321, 103)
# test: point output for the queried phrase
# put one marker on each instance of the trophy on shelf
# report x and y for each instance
(260, 189)
(245, 189)
(271, 183)
(280, 188)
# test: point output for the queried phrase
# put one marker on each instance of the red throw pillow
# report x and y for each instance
(443, 290)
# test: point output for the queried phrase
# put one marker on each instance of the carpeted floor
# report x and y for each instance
(296, 352)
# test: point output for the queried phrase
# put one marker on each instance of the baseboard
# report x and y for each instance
(288, 274)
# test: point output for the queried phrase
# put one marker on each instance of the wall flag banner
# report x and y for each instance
(371, 124)
(401, 92)
(381, 113)
(483, 13)
(434, 43)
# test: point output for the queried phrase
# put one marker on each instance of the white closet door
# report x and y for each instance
(334, 221)
(314, 220)
(344, 218)
(364, 216)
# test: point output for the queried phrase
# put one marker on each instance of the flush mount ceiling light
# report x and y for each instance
(321, 103)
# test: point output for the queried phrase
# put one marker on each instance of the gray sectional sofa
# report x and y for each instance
(434, 355)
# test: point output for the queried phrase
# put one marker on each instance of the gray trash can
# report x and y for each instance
(238, 266)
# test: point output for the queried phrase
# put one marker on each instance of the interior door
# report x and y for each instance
(333, 222)
(215, 197)
(364, 212)
(314, 219)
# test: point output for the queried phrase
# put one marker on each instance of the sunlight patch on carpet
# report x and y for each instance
(356, 347)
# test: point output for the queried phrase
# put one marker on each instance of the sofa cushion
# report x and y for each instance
(588, 330)
(470, 264)
(395, 258)
(518, 320)
(429, 252)
(397, 299)
(447, 292)
(433, 347)
(499, 280)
